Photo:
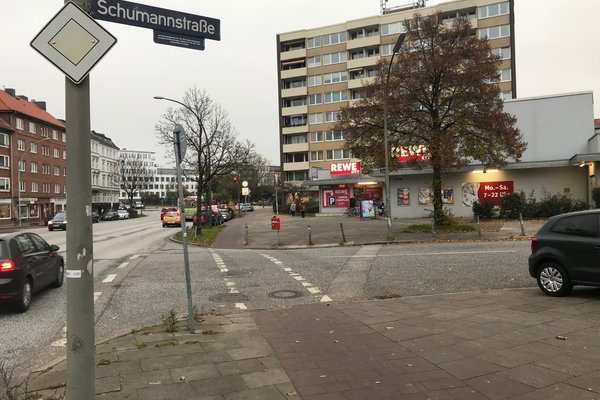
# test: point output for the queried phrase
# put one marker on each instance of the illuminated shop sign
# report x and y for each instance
(344, 168)
(410, 153)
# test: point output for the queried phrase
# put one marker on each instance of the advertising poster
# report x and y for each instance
(403, 197)
(336, 198)
(486, 191)
(367, 209)
(447, 195)
(424, 196)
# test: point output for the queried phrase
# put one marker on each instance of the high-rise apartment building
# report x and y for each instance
(322, 69)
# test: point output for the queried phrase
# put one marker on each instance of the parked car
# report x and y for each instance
(226, 214)
(59, 221)
(95, 217)
(123, 214)
(27, 264)
(171, 218)
(165, 210)
(565, 252)
(247, 207)
(110, 216)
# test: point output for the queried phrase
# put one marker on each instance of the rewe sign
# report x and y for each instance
(344, 168)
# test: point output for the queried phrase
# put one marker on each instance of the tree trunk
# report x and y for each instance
(438, 212)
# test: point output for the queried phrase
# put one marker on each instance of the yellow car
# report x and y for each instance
(171, 218)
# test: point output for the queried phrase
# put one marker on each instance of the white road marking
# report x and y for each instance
(325, 299)
(96, 295)
(445, 253)
(109, 278)
(123, 265)
(241, 306)
(133, 257)
(313, 290)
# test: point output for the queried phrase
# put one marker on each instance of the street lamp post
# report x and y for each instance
(199, 200)
(19, 176)
(388, 210)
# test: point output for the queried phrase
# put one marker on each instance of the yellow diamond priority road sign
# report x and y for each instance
(73, 41)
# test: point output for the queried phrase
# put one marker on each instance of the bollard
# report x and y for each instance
(343, 236)
(433, 226)
(246, 234)
(478, 226)
(278, 241)
(309, 236)
(521, 222)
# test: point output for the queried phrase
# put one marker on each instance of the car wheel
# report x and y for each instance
(60, 276)
(50, 228)
(164, 225)
(553, 279)
(24, 296)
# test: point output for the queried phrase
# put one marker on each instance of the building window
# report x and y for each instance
(20, 125)
(21, 165)
(295, 139)
(335, 58)
(4, 141)
(314, 80)
(54, 134)
(33, 148)
(294, 83)
(502, 52)
(493, 10)
(32, 127)
(338, 154)
(4, 162)
(314, 61)
(64, 137)
(335, 135)
(315, 99)
(335, 77)
(334, 38)
(22, 186)
(316, 118)
(392, 28)
(21, 144)
(34, 187)
(34, 167)
(45, 169)
(494, 32)
(57, 188)
(56, 153)
(505, 75)
(313, 42)
(332, 116)
(56, 171)
(316, 137)
(333, 97)
(316, 156)
(4, 184)
(506, 95)
(64, 154)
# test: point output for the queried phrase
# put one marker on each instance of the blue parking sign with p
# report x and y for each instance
(332, 201)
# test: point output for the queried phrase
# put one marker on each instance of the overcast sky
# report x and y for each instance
(556, 44)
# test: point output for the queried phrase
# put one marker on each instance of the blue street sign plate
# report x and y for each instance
(160, 19)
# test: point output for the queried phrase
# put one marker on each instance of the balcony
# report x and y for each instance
(286, 111)
(358, 83)
(295, 129)
(362, 62)
(293, 73)
(297, 166)
(295, 148)
(293, 92)
(288, 55)
(363, 42)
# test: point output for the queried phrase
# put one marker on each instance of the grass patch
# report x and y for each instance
(206, 238)
(426, 228)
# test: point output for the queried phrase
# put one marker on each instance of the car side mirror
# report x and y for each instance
(54, 248)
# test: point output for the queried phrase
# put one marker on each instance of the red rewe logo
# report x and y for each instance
(344, 168)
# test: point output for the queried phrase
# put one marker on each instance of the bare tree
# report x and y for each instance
(213, 149)
(442, 94)
(134, 176)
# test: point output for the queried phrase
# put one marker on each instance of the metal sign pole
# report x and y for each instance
(80, 259)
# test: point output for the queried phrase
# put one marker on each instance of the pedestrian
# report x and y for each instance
(293, 208)
(302, 209)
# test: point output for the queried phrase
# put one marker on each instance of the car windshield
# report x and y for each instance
(60, 216)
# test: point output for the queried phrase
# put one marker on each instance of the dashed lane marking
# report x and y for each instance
(109, 278)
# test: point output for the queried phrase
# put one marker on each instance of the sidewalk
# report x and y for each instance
(506, 344)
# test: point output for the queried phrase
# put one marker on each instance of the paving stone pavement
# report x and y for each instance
(505, 344)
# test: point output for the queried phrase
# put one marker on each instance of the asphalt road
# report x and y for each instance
(140, 278)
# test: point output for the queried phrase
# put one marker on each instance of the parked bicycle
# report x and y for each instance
(353, 211)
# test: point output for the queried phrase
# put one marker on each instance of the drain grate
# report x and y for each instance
(286, 294)
(388, 296)
(228, 298)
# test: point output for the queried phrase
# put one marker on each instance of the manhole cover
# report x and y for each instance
(228, 298)
(285, 294)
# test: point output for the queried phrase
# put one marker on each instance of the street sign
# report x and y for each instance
(173, 39)
(180, 142)
(244, 183)
(73, 41)
(159, 19)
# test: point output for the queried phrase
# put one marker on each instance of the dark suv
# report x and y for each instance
(566, 252)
